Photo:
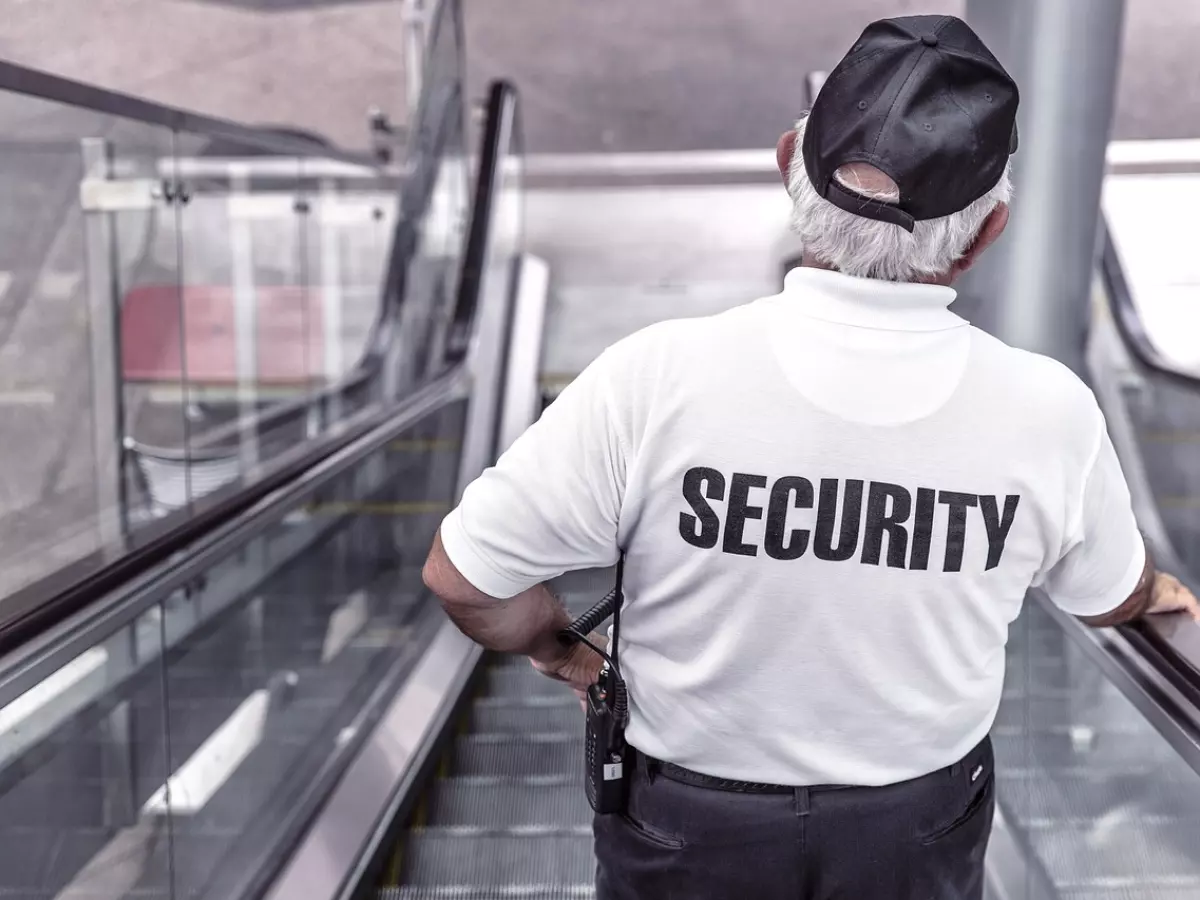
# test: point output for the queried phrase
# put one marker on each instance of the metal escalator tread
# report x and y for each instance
(1088, 796)
(502, 715)
(1125, 892)
(562, 892)
(509, 803)
(471, 858)
(490, 754)
(517, 681)
(1102, 853)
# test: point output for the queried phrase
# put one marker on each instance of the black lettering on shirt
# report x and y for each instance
(883, 520)
(781, 499)
(892, 518)
(922, 534)
(702, 529)
(827, 513)
(956, 527)
(739, 511)
(997, 525)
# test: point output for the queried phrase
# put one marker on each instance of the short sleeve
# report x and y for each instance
(552, 502)
(1105, 553)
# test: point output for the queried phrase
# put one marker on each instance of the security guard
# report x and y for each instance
(831, 504)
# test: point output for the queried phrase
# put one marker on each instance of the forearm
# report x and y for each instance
(1135, 606)
(527, 623)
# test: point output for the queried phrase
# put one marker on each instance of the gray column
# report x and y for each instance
(1033, 288)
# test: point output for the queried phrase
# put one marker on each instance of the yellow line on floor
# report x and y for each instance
(1179, 502)
(1172, 437)
(344, 507)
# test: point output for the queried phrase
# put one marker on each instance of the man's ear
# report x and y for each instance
(993, 227)
(784, 151)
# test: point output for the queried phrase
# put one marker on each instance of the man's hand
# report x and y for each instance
(579, 667)
(1169, 595)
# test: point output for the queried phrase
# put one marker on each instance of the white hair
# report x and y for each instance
(867, 248)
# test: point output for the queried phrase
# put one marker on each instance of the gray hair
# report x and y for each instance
(867, 248)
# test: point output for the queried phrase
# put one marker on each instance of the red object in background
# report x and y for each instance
(290, 339)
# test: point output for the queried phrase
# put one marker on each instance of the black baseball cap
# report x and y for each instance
(922, 99)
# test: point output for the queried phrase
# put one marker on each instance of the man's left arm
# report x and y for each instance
(551, 504)
(526, 623)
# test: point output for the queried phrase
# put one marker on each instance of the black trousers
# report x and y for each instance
(917, 840)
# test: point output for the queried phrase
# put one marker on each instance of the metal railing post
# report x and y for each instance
(415, 27)
(104, 319)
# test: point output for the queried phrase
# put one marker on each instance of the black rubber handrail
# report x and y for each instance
(1129, 321)
(31, 82)
(501, 115)
(36, 609)
(1182, 671)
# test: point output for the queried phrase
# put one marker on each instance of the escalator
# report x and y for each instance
(505, 814)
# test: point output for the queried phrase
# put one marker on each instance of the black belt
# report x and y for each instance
(653, 767)
(699, 779)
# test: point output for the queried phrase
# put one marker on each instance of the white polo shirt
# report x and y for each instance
(832, 503)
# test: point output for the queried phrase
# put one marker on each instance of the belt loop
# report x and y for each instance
(647, 765)
(803, 801)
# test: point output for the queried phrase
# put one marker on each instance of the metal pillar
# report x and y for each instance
(104, 314)
(1033, 288)
(415, 18)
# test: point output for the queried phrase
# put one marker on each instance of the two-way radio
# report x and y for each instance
(607, 763)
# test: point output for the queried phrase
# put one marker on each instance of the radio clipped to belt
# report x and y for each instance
(607, 759)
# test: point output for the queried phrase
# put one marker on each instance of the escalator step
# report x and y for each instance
(462, 859)
(1037, 802)
(528, 718)
(564, 892)
(1136, 892)
(1120, 850)
(499, 803)
(521, 681)
(512, 661)
(503, 755)
(1108, 753)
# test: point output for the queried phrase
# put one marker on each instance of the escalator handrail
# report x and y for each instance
(30, 82)
(1137, 343)
(1129, 321)
(37, 654)
(1142, 659)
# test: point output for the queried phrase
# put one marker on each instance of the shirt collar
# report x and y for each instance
(869, 303)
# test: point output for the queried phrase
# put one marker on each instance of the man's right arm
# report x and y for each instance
(1136, 605)
(1106, 574)
(1156, 593)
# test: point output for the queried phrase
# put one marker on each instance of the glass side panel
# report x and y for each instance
(221, 716)
(80, 753)
(177, 310)
(1102, 805)
(61, 491)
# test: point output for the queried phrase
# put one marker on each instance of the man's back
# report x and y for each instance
(848, 582)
